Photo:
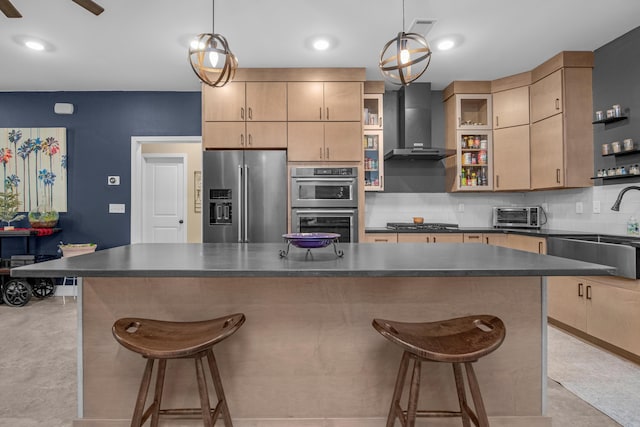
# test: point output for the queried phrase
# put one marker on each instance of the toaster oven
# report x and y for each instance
(517, 216)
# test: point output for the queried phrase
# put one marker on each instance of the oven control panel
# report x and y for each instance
(324, 172)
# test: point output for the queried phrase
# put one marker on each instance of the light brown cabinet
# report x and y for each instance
(527, 243)
(324, 101)
(244, 135)
(546, 96)
(317, 141)
(602, 307)
(561, 130)
(511, 167)
(511, 108)
(245, 115)
(380, 237)
(430, 238)
(250, 101)
(496, 239)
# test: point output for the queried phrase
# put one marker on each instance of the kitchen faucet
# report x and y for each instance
(616, 205)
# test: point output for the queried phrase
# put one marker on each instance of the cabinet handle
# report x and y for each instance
(241, 139)
(327, 113)
(580, 291)
(557, 103)
(558, 176)
(327, 153)
(250, 139)
(242, 113)
(473, 237)
(588, 291)
(486, 240)
(539, 247)
(320, 152)
(320, 112)
(497, 122)
(434, 239)
(381, 240)
(380, 123)
(250, 114)
(497, 181)
(381, 181)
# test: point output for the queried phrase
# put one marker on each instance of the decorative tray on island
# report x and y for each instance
(311, 241)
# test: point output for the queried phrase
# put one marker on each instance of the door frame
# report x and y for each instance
(136, 176)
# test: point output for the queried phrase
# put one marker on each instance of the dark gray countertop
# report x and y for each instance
(263, 260)
(543, 232)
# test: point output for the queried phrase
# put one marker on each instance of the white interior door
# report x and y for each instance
(163, 198)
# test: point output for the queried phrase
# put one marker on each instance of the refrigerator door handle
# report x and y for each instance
(246, 203)
(240, 204)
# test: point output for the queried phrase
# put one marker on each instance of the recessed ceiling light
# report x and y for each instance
(321, 44)
(32, 44)
(446, 44)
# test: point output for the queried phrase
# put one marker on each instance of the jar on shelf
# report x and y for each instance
(599, 115)
(606, 149)
(628, 144)
(617, 111)
(616, 147)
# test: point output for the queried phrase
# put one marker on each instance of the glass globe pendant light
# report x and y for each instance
(405, 58)
(211, 59)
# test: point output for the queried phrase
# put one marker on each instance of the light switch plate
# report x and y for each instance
(579, 207)
(116, 208)
(113, 180)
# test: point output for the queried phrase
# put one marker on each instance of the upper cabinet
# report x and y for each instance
(324, 101)
(245, 115)
(250, 101)
(546, 96)
(373, 140)
(473, 111)
(511, 107)
(329, 142)
(511, 160)
(561, 131)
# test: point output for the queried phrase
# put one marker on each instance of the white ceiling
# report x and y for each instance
(142, 44)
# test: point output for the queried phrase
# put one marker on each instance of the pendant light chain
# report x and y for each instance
(403, 24)
(213, 16)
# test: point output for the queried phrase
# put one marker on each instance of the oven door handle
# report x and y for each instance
(326, 211)
(320, 180)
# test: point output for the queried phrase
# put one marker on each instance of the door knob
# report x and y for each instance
(181, 222)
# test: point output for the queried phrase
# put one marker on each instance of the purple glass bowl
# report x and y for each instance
(311, 240)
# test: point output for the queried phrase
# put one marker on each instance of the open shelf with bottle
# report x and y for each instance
(474, 161)
(610, 120)
(373, 147)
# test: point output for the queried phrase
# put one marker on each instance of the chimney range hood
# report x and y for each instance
(414, 116)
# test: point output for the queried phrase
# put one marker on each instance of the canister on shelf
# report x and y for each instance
(599, 115)
(628, 144)
(610, 113)
(605, 149)
(615, 147)
(617, 111)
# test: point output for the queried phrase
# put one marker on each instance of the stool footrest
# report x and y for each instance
(435, 414)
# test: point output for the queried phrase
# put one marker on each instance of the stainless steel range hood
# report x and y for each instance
(414, 116)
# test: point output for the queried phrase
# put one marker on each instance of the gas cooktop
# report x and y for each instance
(426, 226)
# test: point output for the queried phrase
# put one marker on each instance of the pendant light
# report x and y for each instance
(405, 58)
(211, 59)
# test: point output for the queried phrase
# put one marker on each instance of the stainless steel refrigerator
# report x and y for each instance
(244, 196)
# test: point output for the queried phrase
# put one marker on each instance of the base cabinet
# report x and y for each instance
(430, 238)
(605, 308)
(527, 243)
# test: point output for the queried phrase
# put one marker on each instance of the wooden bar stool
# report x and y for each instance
(160, 340)
(459, 341)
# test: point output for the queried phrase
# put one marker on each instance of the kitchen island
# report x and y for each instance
(307, 354)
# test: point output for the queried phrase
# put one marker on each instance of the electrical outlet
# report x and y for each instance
(116, 208)
(596, 206)
(460, 207)
(113, 180)
(579, 207)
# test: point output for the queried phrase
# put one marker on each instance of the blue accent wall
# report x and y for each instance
(98, 144)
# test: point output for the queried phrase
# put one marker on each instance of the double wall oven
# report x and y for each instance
(325, 200)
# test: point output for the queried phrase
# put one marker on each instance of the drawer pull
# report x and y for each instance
(589, 292)
(580, 291)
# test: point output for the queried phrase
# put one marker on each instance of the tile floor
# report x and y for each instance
(38, 371)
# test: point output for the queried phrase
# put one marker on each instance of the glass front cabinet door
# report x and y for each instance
(473, 111)
(474, 161)
(372, 143)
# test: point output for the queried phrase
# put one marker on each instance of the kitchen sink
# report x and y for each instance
(620, 252)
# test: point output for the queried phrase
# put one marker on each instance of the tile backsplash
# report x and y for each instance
(474, 210)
